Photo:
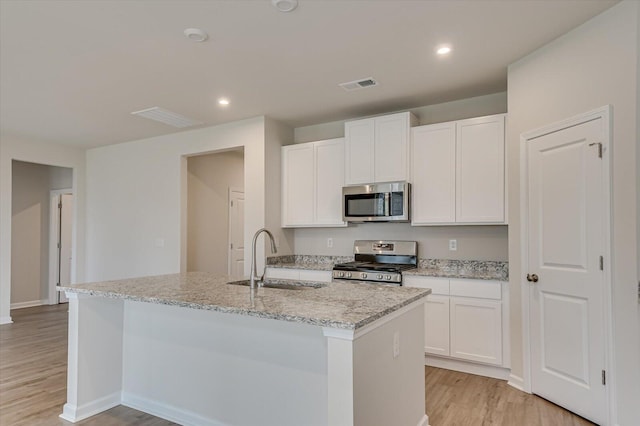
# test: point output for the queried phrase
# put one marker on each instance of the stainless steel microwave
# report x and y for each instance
(379, 202)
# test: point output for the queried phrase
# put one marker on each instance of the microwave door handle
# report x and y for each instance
(387, 204)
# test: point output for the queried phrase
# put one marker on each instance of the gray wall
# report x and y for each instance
(209, 179)
(589, 67)
(30, 211)
(474, 242)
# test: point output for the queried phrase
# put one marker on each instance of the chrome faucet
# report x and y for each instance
(254, 272)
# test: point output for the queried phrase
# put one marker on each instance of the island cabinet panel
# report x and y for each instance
(312, 180)
(434, 174)
(377, 149)
(458, 172)
(480, 171)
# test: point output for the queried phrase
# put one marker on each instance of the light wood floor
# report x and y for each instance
(33, 357)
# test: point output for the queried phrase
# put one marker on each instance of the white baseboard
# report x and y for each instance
(167, 412)
(467, 367)
(424, 421)
(516, 382)
(73, 413)
(29, 304)
(6, 320)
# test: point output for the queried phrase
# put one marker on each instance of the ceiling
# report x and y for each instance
(71, 72)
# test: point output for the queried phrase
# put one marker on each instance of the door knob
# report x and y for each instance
(532, 278)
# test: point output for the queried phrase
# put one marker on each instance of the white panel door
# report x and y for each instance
(329, 157)
(433, 168)
(565, 245)
(359, 151)
(391, 148)
(476, 329)
(298, 185)
(480, 186)
(236, 232)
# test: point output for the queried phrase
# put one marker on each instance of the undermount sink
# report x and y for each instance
(284, 284)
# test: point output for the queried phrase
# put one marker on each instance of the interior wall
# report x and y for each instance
(17, 148)
(209, 179)
(474, 242)
(589, 67)
(137, 195)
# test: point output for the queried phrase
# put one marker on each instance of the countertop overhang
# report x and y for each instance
(349, 306)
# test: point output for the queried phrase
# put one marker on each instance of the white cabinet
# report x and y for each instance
(312, 180)
(480, 171)
(458, 172)
(464, 319)
(298, 274)
(377, 149)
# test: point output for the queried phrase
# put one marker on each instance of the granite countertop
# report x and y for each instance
(335, 305)
(444, 268)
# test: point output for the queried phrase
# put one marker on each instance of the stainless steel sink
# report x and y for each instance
(284, 284)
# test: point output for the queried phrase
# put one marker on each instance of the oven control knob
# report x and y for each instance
(363, 276)
(388, 278)
(341, 274)
(379, 276)
(348, 274)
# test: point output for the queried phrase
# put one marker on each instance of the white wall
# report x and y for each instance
(137, 194)
(474, 242)
(589, 67)
(15, 148)
(209, 179)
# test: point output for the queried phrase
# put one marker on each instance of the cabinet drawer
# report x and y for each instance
(437, 285)
(322, 276)
(282, 273)
(476, 288)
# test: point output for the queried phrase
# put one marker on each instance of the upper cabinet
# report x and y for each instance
(377, 149)
(459, 172)
(312, 180)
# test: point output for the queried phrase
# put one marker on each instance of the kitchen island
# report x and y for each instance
(194, 349)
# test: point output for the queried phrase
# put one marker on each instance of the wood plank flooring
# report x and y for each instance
(33, 371)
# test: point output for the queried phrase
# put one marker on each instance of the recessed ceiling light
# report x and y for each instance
(443, 50)
(223, 101)
(285, 5)
(196, 34)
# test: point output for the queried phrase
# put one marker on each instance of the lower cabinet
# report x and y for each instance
(464, 319)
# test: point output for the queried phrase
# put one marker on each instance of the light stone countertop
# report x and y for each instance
(336, 305)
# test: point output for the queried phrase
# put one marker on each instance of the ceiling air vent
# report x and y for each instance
(358, 84)
(167, 117)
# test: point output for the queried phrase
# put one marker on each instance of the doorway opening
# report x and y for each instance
(215, 212)
(36, 231)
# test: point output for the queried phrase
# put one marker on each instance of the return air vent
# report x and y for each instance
(358, 84)
(167, 117)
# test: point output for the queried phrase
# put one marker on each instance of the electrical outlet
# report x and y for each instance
(396, 344)
(329, 242)
(453, 245)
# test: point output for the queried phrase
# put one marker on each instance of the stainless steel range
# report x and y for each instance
(379, 261)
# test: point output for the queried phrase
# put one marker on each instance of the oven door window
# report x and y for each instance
(365, 205)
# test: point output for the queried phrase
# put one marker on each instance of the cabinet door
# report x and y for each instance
(434, 174)
(436, 325)
(476, 330)
(359, 155)
(297, 185)
(391, 148)
(480, 184)
(329, 181)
